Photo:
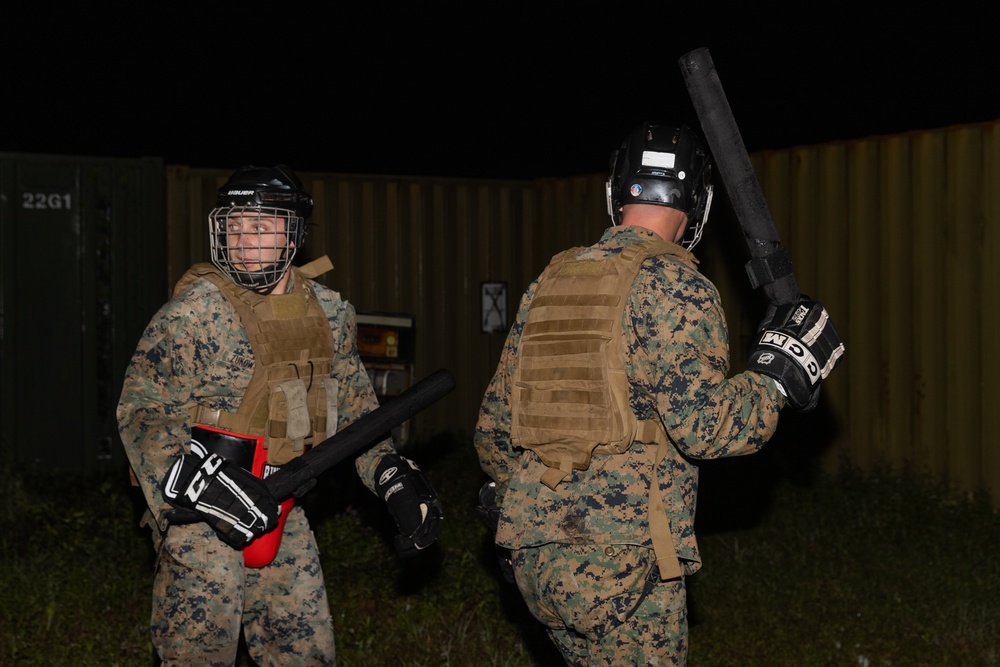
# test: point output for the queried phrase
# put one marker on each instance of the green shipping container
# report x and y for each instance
(83, 266)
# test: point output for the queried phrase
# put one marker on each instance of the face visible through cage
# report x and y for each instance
(253, 245)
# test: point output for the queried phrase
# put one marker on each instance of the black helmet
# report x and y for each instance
(666, 166)
(273, 193)
(275, 187)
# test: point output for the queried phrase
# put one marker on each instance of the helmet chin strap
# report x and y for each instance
(255, 280)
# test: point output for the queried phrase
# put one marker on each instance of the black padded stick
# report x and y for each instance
(359, 434)
(770, 266)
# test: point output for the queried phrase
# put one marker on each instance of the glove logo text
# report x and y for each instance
(795, 350)
(766, 358)
(387, 475)
(200, 481)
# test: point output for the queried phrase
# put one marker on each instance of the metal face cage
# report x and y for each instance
(253, 245)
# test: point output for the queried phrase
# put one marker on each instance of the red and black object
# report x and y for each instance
(299, 473)
(248, 452)
(770, 265)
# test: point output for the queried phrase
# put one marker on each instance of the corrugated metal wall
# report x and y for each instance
(897, 235)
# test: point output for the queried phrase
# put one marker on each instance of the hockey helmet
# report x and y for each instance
(258, 224)
(665, 166)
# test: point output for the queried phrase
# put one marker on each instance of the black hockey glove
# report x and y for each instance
(487, 509)
(411, 501)
(798, 346)
(206, 487)
(489, 513)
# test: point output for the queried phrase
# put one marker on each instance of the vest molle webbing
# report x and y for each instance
(291, 398)
(571, 392)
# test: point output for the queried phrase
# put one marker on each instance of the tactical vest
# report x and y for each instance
(291, 399)
(571, 395)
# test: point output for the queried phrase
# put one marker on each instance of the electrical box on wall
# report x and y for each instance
(387, 348)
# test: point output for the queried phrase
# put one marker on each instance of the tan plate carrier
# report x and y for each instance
(571, 392)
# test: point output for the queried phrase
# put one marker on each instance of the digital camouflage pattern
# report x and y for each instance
(202, 596)
(677, 352)
(591, 601)
(195, 350)
(677, 361)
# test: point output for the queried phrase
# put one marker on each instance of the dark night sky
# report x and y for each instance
(503, 106)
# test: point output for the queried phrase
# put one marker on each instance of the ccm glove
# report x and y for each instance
(798, 346)
(206, 487)
(411, 501)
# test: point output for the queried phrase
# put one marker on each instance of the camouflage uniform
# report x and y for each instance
(582, 551)
(195, 350)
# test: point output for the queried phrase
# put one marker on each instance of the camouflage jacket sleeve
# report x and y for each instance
(679, 362)
(356, 395)
(187, 353)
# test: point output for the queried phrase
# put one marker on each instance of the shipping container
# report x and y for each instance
(83, 269)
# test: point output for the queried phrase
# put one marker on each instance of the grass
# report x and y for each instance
(800, 569)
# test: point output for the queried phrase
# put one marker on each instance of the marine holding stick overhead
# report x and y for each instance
(613, 383)
(248, 365)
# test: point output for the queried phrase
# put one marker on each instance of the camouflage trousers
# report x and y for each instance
(203, 595)
(590, 600)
